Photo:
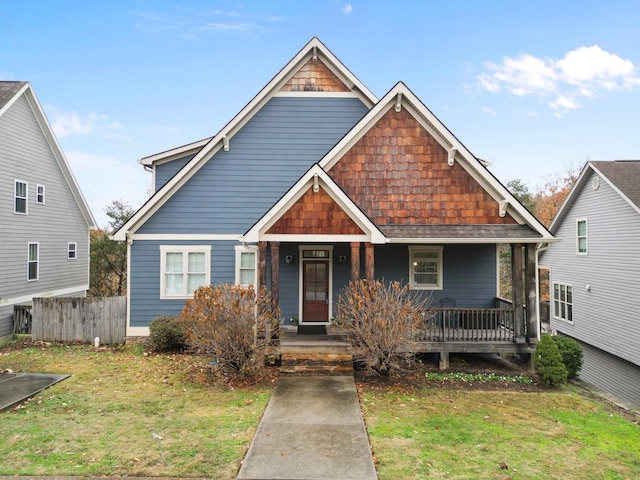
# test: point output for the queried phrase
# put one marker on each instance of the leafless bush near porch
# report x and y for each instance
(383, 320)
(233, 324)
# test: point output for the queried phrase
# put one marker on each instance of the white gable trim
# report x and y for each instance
(314, 47)
(401, 97)
(615, 188)
(56, 150)
(324, 181)
(174, 153)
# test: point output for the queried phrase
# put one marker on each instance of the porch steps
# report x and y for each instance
(314, 354)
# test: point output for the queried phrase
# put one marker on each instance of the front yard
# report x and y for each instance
(124, 412)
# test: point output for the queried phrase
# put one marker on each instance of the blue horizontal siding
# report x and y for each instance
(165, 171)
(144, 291)
(266, 157)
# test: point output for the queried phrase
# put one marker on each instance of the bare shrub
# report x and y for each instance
(383, 322)
(233, 324)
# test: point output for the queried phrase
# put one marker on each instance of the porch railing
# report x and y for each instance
(445, 324)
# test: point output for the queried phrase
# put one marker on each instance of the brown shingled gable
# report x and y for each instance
(398, 174)
(314, 76)
(315, 213)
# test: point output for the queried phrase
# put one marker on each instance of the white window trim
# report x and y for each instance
(184, 249)
(26, 197)
(240, 249)
(419, 248)
(37, 261)
(38, 187)
(553, 302)
(586, 236)
(74, 250)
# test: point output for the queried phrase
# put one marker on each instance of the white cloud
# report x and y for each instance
(347, 9)
(583, 72)
(66, 124)
(489, 111)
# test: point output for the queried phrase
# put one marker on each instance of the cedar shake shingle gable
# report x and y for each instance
(398, 174)
(624, 174)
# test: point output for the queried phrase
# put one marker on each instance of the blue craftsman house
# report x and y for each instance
(316, 182)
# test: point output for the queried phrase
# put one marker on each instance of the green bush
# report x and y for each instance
(166, 334)
(571, 352)
(549, 363)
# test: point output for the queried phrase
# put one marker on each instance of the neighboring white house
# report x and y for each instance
(44, 219)
(595, 275)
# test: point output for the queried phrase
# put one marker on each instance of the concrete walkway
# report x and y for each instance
(312, 429)
(17, 387)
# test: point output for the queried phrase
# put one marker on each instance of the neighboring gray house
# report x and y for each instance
(44, 219)
(595, 274)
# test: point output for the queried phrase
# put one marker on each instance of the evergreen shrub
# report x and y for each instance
(571, 352)
(548, 362)
(167, 334)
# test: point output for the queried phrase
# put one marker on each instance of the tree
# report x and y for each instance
(108, 271)
(519, 190)
(552, 194)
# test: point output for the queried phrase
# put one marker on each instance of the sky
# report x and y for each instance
(536, 88)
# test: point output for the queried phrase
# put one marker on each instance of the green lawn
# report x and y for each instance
(102, 421)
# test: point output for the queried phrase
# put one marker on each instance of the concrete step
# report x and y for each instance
(332, 369)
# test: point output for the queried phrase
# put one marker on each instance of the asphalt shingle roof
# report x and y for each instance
(8, 90)
(624, 174)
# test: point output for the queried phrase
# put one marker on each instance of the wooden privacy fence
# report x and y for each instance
(79, 319)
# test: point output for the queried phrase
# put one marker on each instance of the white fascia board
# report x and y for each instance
(257, 232)
(568, 201)
(316, 238)
(7, 106)
(28, 298)
(448, 141)
(615, 188)
(186, 236)
(174, 153)
(58, 154)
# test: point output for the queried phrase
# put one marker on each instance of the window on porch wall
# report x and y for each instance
(425, 268)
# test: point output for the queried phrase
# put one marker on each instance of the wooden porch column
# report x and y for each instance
(275, 273)
(368, 262)
(262, 265)
(355, 261)
(517, 274)
(531, 290)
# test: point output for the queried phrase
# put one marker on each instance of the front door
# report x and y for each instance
(315, 291)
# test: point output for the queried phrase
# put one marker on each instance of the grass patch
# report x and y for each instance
(102, 420)
(448, 433)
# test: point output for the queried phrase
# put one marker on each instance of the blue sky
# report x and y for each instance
(534, 87)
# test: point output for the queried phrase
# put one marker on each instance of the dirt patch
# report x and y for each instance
(414, 379)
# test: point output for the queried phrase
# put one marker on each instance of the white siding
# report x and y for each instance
(607, 315)
(26, 155)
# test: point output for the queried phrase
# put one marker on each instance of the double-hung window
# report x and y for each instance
(33, 262)
(20, 197)
(40, 194)
(581, 237)
(246, 271)
(72, 250)
(184, 269)
(425, 267)
(563, 301)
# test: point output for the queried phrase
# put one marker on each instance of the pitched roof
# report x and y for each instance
(9, 93)
(313, 51)
(622, 175)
